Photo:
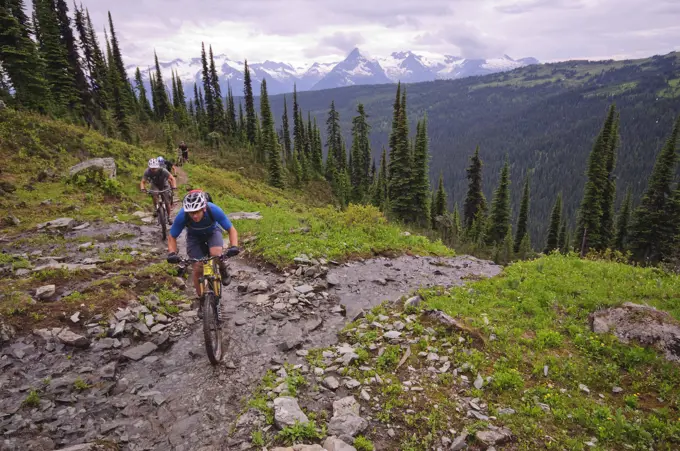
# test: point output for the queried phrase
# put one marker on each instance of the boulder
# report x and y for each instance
(59, 223)
(72, 339)
(244, 215)
(287, 412)
(107, 165)
(7, 332)
(333, 443)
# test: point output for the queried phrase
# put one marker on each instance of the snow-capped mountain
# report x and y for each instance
(356, 69)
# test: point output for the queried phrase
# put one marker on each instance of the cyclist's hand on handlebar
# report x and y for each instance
(173, 258)
(232, 251)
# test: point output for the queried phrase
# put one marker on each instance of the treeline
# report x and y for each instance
(546, 128)
(646, 234)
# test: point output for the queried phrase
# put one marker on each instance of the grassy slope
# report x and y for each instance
(538, 313)
(538, 310)
(30, 144)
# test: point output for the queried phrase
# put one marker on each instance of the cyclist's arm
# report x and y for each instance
(172, 180)
(172, 244)
(175, 231)
(142, 185)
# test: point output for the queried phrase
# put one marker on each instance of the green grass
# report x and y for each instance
(539, 311)
(360, 231)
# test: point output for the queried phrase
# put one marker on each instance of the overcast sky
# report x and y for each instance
(299, 31)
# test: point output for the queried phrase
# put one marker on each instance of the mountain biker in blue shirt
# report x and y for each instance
(201, 219)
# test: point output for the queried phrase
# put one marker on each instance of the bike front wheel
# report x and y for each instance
(163, 220)
(212, 330)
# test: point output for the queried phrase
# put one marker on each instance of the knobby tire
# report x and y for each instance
(163, 221)
(212, 329)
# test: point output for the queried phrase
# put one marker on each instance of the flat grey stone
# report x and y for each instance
(141, 351)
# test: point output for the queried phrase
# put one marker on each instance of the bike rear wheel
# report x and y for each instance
(163, 220)
(212, 329)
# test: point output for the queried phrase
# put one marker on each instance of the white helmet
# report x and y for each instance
(154, 164)
(194, 201)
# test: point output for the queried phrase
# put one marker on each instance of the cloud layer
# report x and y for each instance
(325, 30)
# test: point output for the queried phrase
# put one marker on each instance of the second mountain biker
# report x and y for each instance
(160, 180)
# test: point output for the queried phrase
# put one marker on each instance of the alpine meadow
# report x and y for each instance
(489, 262)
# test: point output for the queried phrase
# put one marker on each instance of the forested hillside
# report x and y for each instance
(545, 117)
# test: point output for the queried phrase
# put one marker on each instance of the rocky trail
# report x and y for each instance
(139, 378)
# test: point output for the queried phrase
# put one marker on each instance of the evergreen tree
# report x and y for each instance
(523, 220)
(241, 123)
(317, 150)
(220, 123)
(173, 82)
(607, 231)
(333, 143)
(94, 59)
(269, 141)
(20, 60)
(360, 154)
(500, 208)
(117, 55)
(401, 163)
(622, 224)
(420, 178)
(297, 126)
(395, 125)
(81, 104)
(209, 95)
(250, 120)
(439, 204)
(562, 237)
(118, 98)
(380, 189)
(145, 107)
(654, 228)
(232, 124)
(554, 230)
(596, 190)
(57, 71)
(286, 131)
(180, 104)
(475, 202)
(524, 250)
(161, 96)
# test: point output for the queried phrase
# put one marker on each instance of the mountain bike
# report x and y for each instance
(161, 212)
(211, 292)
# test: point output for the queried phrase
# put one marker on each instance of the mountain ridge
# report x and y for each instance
(356, 69)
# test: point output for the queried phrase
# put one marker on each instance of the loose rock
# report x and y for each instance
(287, 412)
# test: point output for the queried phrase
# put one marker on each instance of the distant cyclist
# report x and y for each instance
(160, 180)
(183, 152)
(202, 220)
(169, 165)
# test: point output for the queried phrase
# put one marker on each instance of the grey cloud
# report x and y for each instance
(532, 5)
(338, 42)
(546, 29)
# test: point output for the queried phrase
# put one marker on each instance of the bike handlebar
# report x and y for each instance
(152, 191)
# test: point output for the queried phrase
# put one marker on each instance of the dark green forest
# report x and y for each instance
(545, 117)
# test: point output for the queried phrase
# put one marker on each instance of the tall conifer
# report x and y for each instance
(654, 228)
(250, 119)
(523, 220)
(475, 202)
(553, 231)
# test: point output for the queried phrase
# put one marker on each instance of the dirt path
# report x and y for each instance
(171, 397)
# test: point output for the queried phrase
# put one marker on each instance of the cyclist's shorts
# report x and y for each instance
(198, 245)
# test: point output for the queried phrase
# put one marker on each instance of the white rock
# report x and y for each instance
(45, 291)
(287, 412)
